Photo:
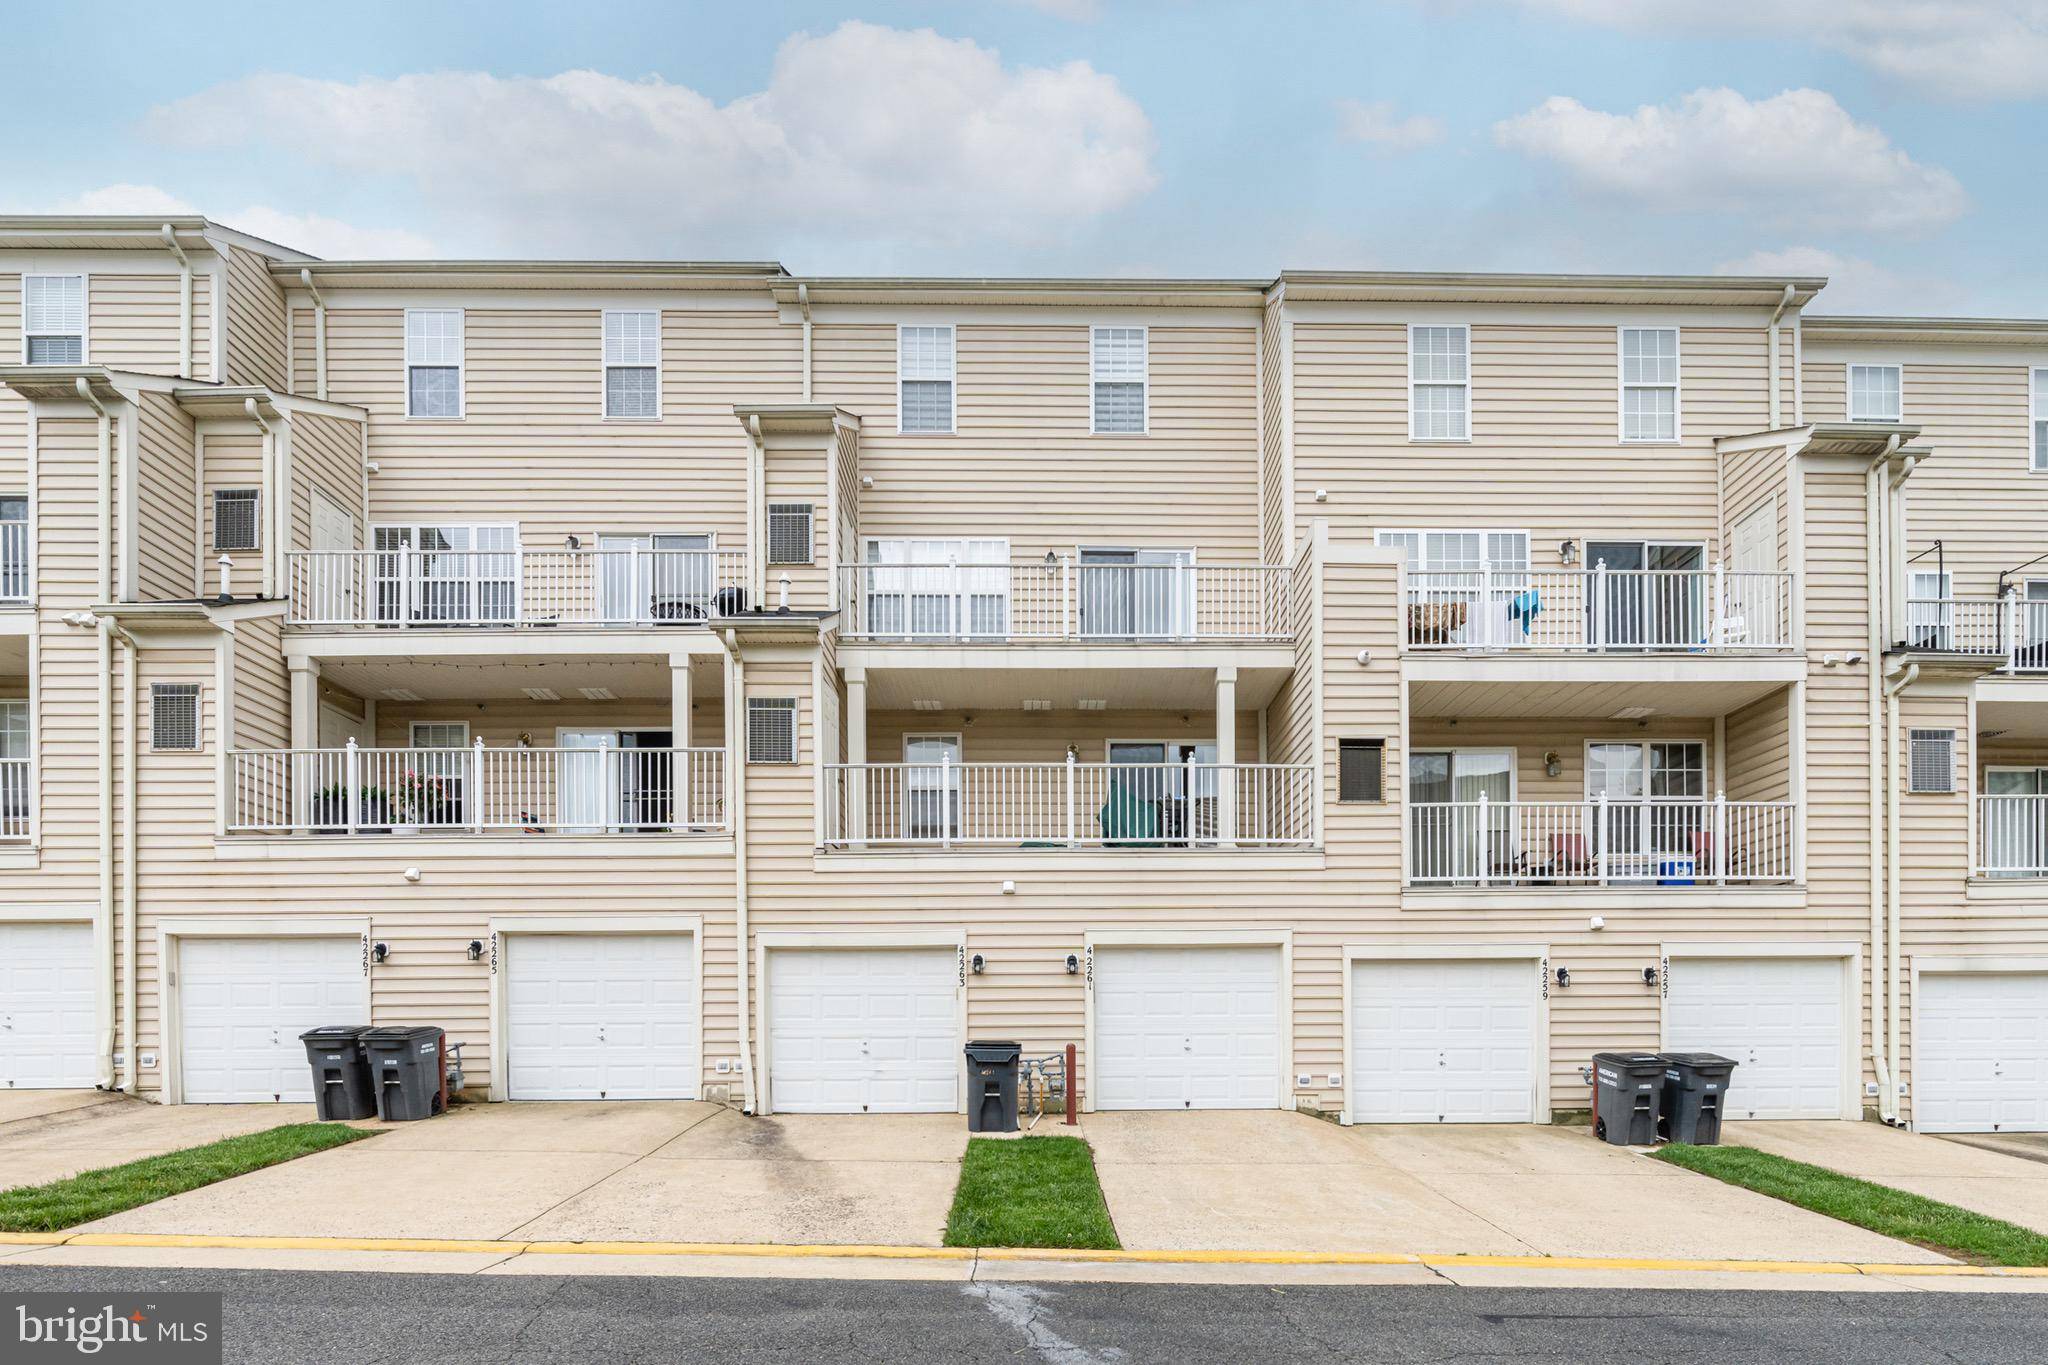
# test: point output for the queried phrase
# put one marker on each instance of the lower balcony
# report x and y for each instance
(1659, 842)
(1069, 805)
(476, 790)
(13, 800)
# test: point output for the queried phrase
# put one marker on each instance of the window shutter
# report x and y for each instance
(789, 533)
(771, 729)
(174, 717)
(234, 518)
(1361, 770)
(1932, 761)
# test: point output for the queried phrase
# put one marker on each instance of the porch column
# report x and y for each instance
(679, 700)
(853, 815)
(304, 776)
(1226, 754)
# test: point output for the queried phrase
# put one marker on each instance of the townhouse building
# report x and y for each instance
(1370, 693)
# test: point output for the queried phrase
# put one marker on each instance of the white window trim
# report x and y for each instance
(1144, 380)
(604, 368)
(953, 351)
(2037, 375)
(1512, 754)
(796, 733)
(810, 559)
(1849, 368)
(1955, 750)
(1706, 764)
(1481, 531)
(1471, 427)
(461, 366)
(1622, 386)
(84, 279)
(412, 733)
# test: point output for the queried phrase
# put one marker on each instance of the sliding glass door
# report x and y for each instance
(2016, 831)
(1654, 595)
(1448, 840)
(1136, 594)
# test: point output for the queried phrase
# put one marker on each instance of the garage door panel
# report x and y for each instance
(864, 1030)
(601, 1016)
(48, 1014)
(1443, 1041)
(242, 1004)
(1980, 1062)
(1187, 1027)
(1781, 1019)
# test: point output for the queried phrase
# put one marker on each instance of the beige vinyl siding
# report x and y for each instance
(167, 534)
(1759, 746)
(1273, 402)
(1546, 454)
(1023, 464)
(263, 696)
(1532, 737)
(1935, 864)
(133, 324)
(1293, 716)
(327, 453)
(846, 500)
(1750, 479)
(235, 460)
(256, 322)
(13, 407)
(795, 472)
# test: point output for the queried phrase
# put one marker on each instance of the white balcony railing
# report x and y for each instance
(1059, 599)
(1663, 842)
(608, 587)
(1069, 805)
(476, 790)
(2011, 628)
(2014, 834)
(13, 798)
(1691, 610)
(13, 560)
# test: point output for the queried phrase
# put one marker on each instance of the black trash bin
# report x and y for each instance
(1626, 1089)
(405, 1064)
(1695, 1089)
(341, 1077)
(992, 1087)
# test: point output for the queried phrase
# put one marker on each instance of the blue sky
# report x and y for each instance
(1893, 145)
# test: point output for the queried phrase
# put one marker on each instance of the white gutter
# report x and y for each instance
(1784, 302)
(184, 300)
(736, 802)
(130, 900)
(803, 301)
(757, 489)
(320, 335)
(104, 632)
(1889, 1110)
(1879, 755)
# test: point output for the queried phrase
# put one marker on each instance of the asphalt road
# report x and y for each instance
(338, 1318)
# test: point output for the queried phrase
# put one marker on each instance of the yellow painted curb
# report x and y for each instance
(889, 1253)
(1201, 1257)
(1642, 1263)
(33, 1239)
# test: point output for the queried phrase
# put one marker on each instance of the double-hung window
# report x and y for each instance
(53, 319)
(1439, 383)
(924, 379)
(447, 574)
(1649, 383)
(431, 791)
(937, 589)
(1874, 394)
(1117, 358)
(433, 362)
(632, 365)
(2037, 415)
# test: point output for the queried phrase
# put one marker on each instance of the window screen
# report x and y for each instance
(1439, 377)
(1361, 770)
(53, 319)
(771, 729)
(1120, 369)
(632, 350)
(924, 373)
(789, 533)
(1874, 393)
(1932, 761)
(433, 362)
(234, 518)
(1649, 383)
(174, 717)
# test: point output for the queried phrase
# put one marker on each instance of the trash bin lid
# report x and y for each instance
(1698, 1061)
(981, 1051)
(399, 1035)
(1629, 1059)
(334, 1033)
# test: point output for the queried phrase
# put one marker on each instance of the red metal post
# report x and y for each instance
(1073, 1093)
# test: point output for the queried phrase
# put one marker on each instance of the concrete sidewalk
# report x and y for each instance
(1970, 1177)
(58, 1133)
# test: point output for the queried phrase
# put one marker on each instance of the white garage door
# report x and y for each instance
(1444, 1042)
(46, 1006)
(864, 1030)
(1187, 1028)
(243, 1002)
(1780, 1018)
(1981, 1053)
(601, 1016)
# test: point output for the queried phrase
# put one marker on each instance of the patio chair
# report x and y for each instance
(1128, 820)
(1569, 857)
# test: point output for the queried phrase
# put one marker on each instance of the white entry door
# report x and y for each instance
(1187, 1028)
(600, 1016)
(864, 1030)
(1980, 1052)
(1779, 1018)
(243, 1002)
(1444, 1042)
(46, 1007)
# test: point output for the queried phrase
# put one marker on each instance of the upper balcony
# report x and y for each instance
(2010, 631)
(1601, 610)
(513, 589)
(1063, 600)
(14, 584)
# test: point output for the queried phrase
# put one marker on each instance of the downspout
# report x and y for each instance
(320, 335)
(757, 488)
(803, 301)
(130, 897)
(1777, 404)
(1880, 1057)
(736, 802)
(1889, 1111)
(184, 301)
(104, 630)
(273, 493)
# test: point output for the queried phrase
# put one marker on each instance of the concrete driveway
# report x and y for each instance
(1987, 1182)
(50, 1134)
(1273, 1181)
(657, 1171)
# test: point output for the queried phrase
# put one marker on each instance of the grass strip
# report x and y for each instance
(1967, 1236)
(96, 1194)
(1030, 1192)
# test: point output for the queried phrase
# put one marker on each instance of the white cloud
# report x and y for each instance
(1378, 124)
(1959, 49)
(1855, 285)
(1795, 158)
(864, 133)
(310, 232)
